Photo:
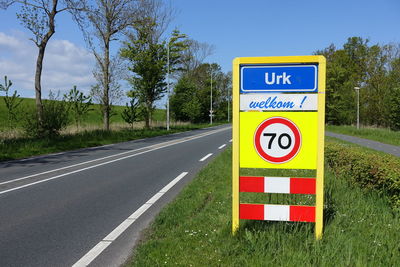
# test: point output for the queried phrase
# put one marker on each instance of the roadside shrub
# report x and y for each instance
(367, 169)
(55, 118)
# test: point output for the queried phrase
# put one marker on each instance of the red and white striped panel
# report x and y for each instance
(285, 185)
(277, 212)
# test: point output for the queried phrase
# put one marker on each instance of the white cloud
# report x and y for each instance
(65, 64)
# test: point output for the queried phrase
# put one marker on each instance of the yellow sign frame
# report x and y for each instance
(320, 60)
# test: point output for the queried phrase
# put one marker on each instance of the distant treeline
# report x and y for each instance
(375, 69)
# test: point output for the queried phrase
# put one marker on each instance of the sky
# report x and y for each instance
(236, 28)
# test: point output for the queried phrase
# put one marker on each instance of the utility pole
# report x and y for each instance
(228, 102)
(169, 40)
(358, 106)
(211, 105)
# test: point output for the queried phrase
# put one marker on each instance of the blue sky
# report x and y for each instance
(236, 28)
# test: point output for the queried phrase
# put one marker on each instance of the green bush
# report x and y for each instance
(369, 170)
(55, 118)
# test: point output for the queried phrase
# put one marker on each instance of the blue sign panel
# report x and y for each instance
(279, 78)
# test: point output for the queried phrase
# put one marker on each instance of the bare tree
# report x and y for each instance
(102, 22)
(38, 16)
(196, 53)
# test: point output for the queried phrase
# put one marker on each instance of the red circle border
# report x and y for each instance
(291, 154)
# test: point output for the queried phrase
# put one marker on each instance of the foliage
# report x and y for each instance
(101, 23)
(39, 18)
(147, 56)
(132, 112)
(79, 104)
(12, 102)
(369, 170)
(370, 67)
(192, 95)
(55, 118)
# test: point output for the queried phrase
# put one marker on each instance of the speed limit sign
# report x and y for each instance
(277, 140)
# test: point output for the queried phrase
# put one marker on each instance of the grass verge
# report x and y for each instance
(377, 134)
(195, 229)
(25, 147)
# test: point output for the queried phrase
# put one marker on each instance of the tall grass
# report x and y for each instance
(195, 230)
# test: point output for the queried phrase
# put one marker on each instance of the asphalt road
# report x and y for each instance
(90, 205)
(390, 149)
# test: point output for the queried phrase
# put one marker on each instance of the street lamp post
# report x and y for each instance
(169, 40)
(358, 106)
(211, 105)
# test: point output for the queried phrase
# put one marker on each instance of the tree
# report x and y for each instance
(101, 23)
(39, 17)
(195, 54)
(146, 54)
(132, 112)
(12, 102)
(79, 104)
(192, 95)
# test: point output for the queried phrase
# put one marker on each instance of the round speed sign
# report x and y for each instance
(277, 140)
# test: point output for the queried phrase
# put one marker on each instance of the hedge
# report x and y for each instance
(367, 169)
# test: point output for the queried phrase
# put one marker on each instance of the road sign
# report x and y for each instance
(277, 140)
(279, 78)
(278, 123)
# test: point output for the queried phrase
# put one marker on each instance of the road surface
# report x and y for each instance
(390, 149)
(89, 206)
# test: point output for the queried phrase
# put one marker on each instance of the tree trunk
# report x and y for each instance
(106, 84)
(39, 61)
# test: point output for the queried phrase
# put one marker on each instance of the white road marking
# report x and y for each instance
(152, 148)
(102, 245)
(230, 141)
(221, 147)
(206, 157)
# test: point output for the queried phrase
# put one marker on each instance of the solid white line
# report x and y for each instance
(110, 156)
(206, 157)
(221, 147)
(157, 146)
(102, 245)
(92, 254)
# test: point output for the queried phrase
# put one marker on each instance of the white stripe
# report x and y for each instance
(92, 254)
(221, 147)
(157, 146)
(206, 157)
(230, 141)
(277, 185)
(119, 230)
(276, 212)
(102, 245)
(115, 155)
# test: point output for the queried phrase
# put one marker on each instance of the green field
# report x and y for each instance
(377, 134)
(361, 228)
(93, 117)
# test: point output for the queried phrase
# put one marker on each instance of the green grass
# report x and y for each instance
(195, 229)
(24, 147)
(377, 134)
(93, 117)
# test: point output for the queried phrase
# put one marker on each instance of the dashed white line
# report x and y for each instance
(206, 157)
(221, 147)
(102, 245)
(230, 141)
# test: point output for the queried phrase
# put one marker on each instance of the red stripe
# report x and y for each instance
(302, 214)
(251, 184)
(251, 211)
(302, 186)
